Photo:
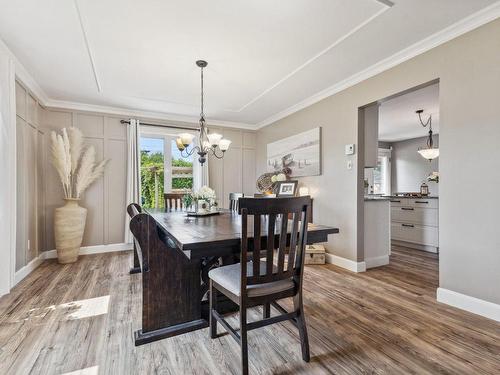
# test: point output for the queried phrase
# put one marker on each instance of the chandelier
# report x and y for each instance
(430, 152)
(208, 143)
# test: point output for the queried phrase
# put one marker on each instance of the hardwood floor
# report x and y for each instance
(60, 319)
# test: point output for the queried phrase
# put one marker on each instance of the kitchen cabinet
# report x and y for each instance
(415, 223)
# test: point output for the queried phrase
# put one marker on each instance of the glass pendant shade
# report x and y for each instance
(179, 144)
(186, 138)
(429, 153)
(224, 144)
(214, 138)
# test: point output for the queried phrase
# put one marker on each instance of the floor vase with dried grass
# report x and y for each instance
(77, 170)
(69, 225)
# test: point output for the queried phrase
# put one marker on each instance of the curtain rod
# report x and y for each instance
(160, 125)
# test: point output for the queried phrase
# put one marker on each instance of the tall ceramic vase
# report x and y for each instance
(69, 224)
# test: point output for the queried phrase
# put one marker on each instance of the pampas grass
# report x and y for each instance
(75, 165)
(76, 142)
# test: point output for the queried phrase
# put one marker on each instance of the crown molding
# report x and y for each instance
(128, 112)
(22, 74)
(31, 84)
(461, 27)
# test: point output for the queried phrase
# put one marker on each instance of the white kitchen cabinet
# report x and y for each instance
(415, 215)
(414, 233)
(415, 223)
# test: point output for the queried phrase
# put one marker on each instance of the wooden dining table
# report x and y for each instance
(175, 275)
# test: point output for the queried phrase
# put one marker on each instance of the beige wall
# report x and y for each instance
(469, 72)
(235, 173)
(30, 212)
(105, 199)
(409, 168)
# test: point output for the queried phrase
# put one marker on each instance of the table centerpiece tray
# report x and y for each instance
(202, 214)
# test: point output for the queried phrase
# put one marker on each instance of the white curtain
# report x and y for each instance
(133, 171)
(200, 173)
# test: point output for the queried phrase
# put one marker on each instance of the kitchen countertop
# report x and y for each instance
(376, 198)
(369, 198)
(402, 197)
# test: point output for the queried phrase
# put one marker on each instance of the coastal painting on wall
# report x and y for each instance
(299, 154)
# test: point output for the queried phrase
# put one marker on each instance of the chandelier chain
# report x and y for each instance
(206, 145)
(428, 122)
(202, 114)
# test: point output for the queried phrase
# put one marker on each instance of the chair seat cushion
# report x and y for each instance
(229, 278)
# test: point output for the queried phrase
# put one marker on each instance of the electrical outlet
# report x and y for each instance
(349, 164)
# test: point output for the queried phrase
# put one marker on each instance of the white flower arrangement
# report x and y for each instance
(433, 177)
(278, 177)
(76, 166)
(205, 193)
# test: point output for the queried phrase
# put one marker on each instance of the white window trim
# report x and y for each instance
(167, 138)
(387, 153)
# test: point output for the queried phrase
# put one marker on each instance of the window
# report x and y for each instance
(382, 173)
(163, 169)
(182, 170)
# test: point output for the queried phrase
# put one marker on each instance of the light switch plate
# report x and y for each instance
(349, 149)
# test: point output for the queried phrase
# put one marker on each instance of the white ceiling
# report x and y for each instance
(398, 120)
(264, 56)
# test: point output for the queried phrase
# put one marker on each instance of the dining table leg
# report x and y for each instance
(175, 293)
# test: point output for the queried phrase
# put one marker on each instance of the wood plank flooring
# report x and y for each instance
(383, 321)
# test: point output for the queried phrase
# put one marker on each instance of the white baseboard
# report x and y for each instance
(411, 245)
(87, 250)
(27, 269)
(377, 261)
(474, 305)
(345, 263)
(31, 266)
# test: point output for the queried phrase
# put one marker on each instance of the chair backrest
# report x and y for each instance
(133, 209)
(233, 200)
(136, 225)
(173, 201)
(273, 230)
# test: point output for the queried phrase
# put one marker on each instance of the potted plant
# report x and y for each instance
(77, 170)
(433, 177)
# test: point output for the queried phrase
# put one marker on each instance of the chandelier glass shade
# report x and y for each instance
(430, 152)
(208, 143)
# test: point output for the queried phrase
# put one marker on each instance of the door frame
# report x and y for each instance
(8, 168)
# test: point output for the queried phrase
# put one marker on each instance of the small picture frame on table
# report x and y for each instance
(286, 188)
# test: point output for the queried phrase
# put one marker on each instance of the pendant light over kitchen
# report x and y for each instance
(429, 152)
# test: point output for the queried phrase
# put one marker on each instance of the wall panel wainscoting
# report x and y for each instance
(30, 182)
(61, 319)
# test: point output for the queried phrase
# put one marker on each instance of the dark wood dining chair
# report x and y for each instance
(173, 201)
(161, 259)
(259, 281)
(132, 210)
(233, 200)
